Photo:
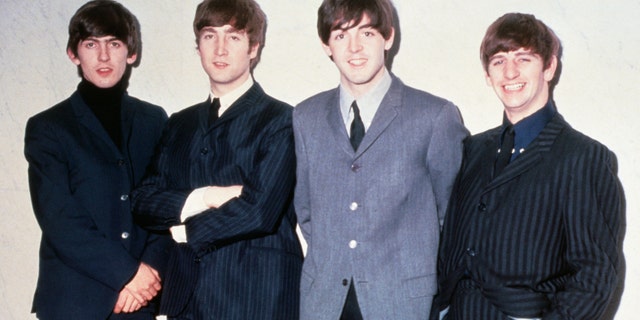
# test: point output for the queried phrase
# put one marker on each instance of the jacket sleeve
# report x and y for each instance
(157, 205)
(301, 194)
(68, 227)
(267, 191)
(445, 155)
(593, 217)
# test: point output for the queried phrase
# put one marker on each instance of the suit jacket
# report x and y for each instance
(538, 240)
(247, 252)
(374, 214)
(80, 184)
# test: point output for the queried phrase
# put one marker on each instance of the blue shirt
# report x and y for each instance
(529, 128)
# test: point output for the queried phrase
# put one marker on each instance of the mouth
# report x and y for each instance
(513, 87)
(357, 62)
(104, 71)
(220, 64)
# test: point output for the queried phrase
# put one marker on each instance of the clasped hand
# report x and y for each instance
(136, 294)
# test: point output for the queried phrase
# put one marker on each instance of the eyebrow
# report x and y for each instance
(96, 39)
(226, 30)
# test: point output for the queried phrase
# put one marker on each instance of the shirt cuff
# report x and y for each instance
(179, 233)
(194, 204)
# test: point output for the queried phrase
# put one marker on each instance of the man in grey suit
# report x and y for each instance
(376, 161)
(534, 226)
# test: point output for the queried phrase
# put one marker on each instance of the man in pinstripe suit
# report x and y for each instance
(538, 236)
(223, 182)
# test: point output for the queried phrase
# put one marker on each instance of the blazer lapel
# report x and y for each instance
(539, 148)
(90, 122)
(336, 123)
(386, 113)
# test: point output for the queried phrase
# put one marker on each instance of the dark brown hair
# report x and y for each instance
(101, 18)
(513, 31)
(241, 14)
(336, 14)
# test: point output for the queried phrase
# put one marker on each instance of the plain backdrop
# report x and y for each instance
(438, 52)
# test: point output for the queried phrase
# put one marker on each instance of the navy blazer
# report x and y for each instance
(248, 254)
(542, 238)
(80, 184)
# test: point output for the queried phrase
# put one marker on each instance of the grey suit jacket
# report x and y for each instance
(374, 215)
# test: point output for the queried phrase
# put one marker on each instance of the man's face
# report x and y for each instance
(520, 81)
(225, 56)
(358, 52)
(103, 60)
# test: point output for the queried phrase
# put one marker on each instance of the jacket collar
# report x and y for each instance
(386, 113)
(537, 151)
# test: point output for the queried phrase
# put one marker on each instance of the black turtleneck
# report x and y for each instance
(106, 104)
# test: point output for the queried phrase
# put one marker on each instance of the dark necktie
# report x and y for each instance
(213, 112)
(357, 127)
(504, 154)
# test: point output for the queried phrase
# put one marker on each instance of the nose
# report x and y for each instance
(221, 46)
(354, 44)
(103, 54)
(511, 70)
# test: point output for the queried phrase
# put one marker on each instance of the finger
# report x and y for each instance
(135, 294)
(119, 304)
(130, 301)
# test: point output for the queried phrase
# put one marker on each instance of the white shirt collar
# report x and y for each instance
(228, 99)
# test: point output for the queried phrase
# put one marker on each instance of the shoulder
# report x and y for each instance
(315, 103)
(419, 98)
(60, 114)
(145, 108)
(577, 145)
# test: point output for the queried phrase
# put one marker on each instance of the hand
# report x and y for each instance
(127, 302)
(143, 287)
(216, 196)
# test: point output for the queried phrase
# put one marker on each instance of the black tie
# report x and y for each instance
(504, 154)
(357, 127)
(213, 113)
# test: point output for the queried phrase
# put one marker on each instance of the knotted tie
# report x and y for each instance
(505, 152)
(213, 113)
(357, 127)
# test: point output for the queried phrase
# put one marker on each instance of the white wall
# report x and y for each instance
(597, 94)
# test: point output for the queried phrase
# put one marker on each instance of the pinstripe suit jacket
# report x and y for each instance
(249, 257)
(540, 239)
(374, 214)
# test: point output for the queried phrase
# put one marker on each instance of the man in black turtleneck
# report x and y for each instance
(85, 156)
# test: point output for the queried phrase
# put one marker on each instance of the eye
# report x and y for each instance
(235, 38)
(369, 34)
(89, 44)
(339, 36)
(115, 44)
(497, 62)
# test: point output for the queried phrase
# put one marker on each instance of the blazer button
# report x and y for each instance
(345, 282)
(197, 260)
(124, 235)
(482, 207)
(124, 197)
(353, 206)
(471, 252)
(121, 162)
(204, 151)
(355, 167)
(353, 244)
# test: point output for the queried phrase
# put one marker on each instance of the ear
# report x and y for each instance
(73, 57)
(550, 72)
(131, 59)
(487, 78)
(326, 49)
(253, 53)
(389, 42)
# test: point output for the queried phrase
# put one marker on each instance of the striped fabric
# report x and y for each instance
(248, 254)
(542, 238)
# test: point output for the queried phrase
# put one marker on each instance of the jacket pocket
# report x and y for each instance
(420, 286)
